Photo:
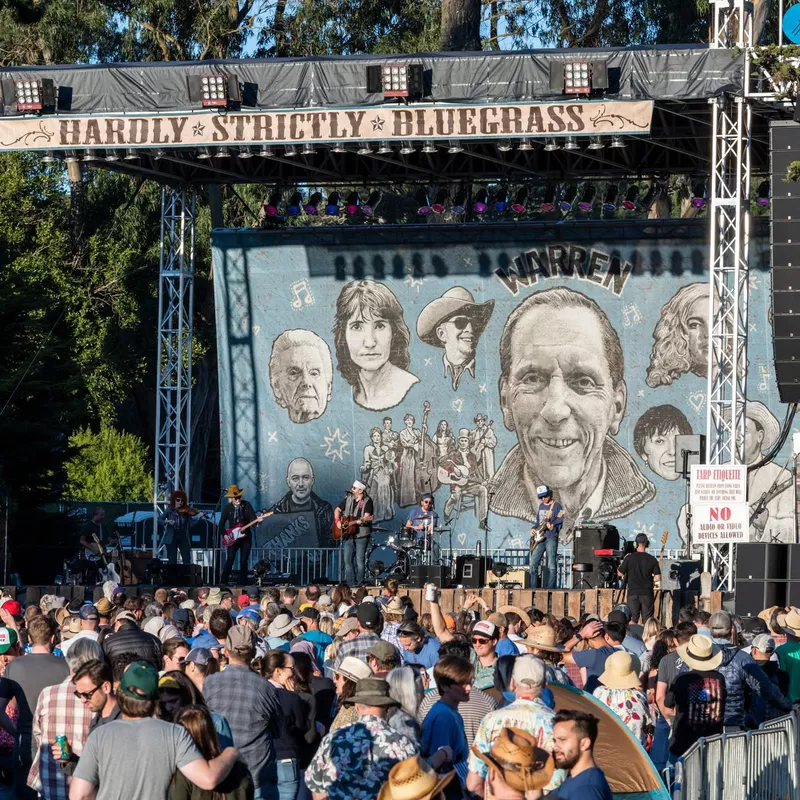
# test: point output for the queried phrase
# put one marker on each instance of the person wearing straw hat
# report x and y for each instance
(698, 696)
(355, 761)
(517, 765)
(414, 779)
(237, 512)
(542, 642)
(621, 690)
(789, 654)
(455, 323)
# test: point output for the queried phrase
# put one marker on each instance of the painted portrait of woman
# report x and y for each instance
(372, 345)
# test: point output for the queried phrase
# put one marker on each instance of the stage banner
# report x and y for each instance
(479, 363)
(724, 483)
(315, 125)
(720, 523)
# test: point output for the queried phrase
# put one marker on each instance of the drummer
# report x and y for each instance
(422, 518)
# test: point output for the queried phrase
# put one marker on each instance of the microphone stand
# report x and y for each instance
(486, 528)
(216, 540)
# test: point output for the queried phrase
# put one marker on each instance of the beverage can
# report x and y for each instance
(63, 745)
(430, 592)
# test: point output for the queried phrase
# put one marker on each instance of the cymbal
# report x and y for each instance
(376, 529)
(441, 530)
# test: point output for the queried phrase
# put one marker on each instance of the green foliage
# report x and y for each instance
(793, 172)
(782, 67)
(108, 466)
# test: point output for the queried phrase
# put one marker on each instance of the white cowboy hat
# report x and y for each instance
(283, 623)
(765, 419)
(700, 653)
(457, 300)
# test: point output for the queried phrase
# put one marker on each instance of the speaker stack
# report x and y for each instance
(785, 241)
(762, 580)
(424, 573)
(470, 571)
(589, 538)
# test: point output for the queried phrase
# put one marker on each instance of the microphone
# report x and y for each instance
(349, 492)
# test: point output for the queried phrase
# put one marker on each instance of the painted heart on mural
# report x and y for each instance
(697, 401)
(256, 330)
(462, 537)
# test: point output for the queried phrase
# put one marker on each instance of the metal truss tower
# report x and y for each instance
(175, 315)
(729, 251)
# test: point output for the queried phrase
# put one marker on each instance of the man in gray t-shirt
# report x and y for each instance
(135, 757)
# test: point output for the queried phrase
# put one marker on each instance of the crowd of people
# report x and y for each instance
(338, 695)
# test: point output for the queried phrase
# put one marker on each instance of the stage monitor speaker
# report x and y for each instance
(516, 578)
(181, 575)
(758, 561)
(470, 571)
(694, 446)
(422, 574)
(785, 260)
(793, 562)
(679, 575)
(590, 538)
(792, 594)
(752, 597)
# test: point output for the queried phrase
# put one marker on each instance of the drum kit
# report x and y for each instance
(407, 548)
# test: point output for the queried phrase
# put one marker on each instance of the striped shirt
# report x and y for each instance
(472, 712)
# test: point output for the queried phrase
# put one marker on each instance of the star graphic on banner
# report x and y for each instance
(198, 129)
(428, 362)
(413, 282)
(335, 445)
(640, 393)
(752, 327)
(377, 123)
(482, 388)
(467, 261)
(272, 436)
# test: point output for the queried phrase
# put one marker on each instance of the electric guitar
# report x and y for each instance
(347, 527)
(661, 554)
(108, 572)
(232, 535)
(537, 534)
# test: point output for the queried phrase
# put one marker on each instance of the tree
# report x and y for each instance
(108, 466)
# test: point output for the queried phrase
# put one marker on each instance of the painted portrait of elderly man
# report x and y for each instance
(301, 374)
(563, 393)
(681, 337)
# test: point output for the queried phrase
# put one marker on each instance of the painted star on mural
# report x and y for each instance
(335, 445)
(377, 123)
(198, 129)
(272, 436)
(413, 283)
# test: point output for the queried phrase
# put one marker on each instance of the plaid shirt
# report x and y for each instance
(574, 674)
(58, 713)
(356, 647)
(250, 704)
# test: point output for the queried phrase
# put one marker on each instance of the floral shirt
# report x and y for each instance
(531, 716)
(630, 705)
(353, 762)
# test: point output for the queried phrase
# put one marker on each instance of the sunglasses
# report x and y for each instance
(480, 640)
(460, 322)
(85, 695)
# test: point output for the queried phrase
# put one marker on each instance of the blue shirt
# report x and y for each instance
(590, 784)
(444, 726)
(555, 509)
(505, 647)
(426, 657)
(595, 663)
(415, 517)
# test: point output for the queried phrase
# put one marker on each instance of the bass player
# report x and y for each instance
(549, 519)
(237, 512)
(357, 505)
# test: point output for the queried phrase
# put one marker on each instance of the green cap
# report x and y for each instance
(140, 681)
(8, 638)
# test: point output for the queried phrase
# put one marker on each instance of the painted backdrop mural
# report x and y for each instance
(476, 369)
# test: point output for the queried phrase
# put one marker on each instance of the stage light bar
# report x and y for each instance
(577, 77)
(384, 149)
(440, 202)
(364, 149)
(454, 146)
(332, 204)
(518, 206)
(595, 143)
(273, 204)
(763, 194)
(610, 200)
(586, 202)
(551, 145)
(396, 80)
(49, 157)
(265, 151)
(460, 202)
(571, 143)
(428, 147)
(501, 201)
(295, 205)
(219, 90)
(372, 203)
(548, 204)
(308, 149)
(245, 152)
(525, 144)
(338, 148)
(407, 149)
(631, 198)
(352, 204)
(699, 195)
(568, 200)
(423, 203)
(505, 146)
(480, 203)
(618, 142)
(35, 95)
(312, 206)
(290, 151)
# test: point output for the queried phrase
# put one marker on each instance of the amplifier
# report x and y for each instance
(519, 577)
(470, 571)
(422, 574)
(181, 575)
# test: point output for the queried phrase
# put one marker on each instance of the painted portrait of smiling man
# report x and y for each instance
(563, 392)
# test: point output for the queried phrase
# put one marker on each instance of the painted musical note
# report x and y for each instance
(631, 315)
(301, 288)
(763, 384)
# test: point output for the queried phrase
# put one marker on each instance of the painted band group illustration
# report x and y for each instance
(457, 387)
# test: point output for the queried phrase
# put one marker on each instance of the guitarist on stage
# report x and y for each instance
(237, 512)
(356, 505)
(549, 519)
(643, 573)
(96, 525)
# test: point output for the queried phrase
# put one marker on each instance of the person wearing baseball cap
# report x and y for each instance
(370, 627)
(641, 574)
(357, 505)
(310, 617)
(762, 649)
(153, 749)
(549, 519)
(89, 618)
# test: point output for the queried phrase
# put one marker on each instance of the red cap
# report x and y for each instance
(13, 607)
(243, 601)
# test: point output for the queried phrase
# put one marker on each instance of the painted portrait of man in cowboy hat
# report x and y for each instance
(455, 323)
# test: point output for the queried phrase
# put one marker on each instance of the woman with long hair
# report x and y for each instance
(237, 786)
(405, 686)
(377, 471)
(342, 596)
(176, 691)
(372, 345)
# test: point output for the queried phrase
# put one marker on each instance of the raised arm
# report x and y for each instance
(437, 620)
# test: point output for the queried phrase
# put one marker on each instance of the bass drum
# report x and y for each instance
(387, 561)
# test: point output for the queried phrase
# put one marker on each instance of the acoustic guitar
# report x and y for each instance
(346, 527)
